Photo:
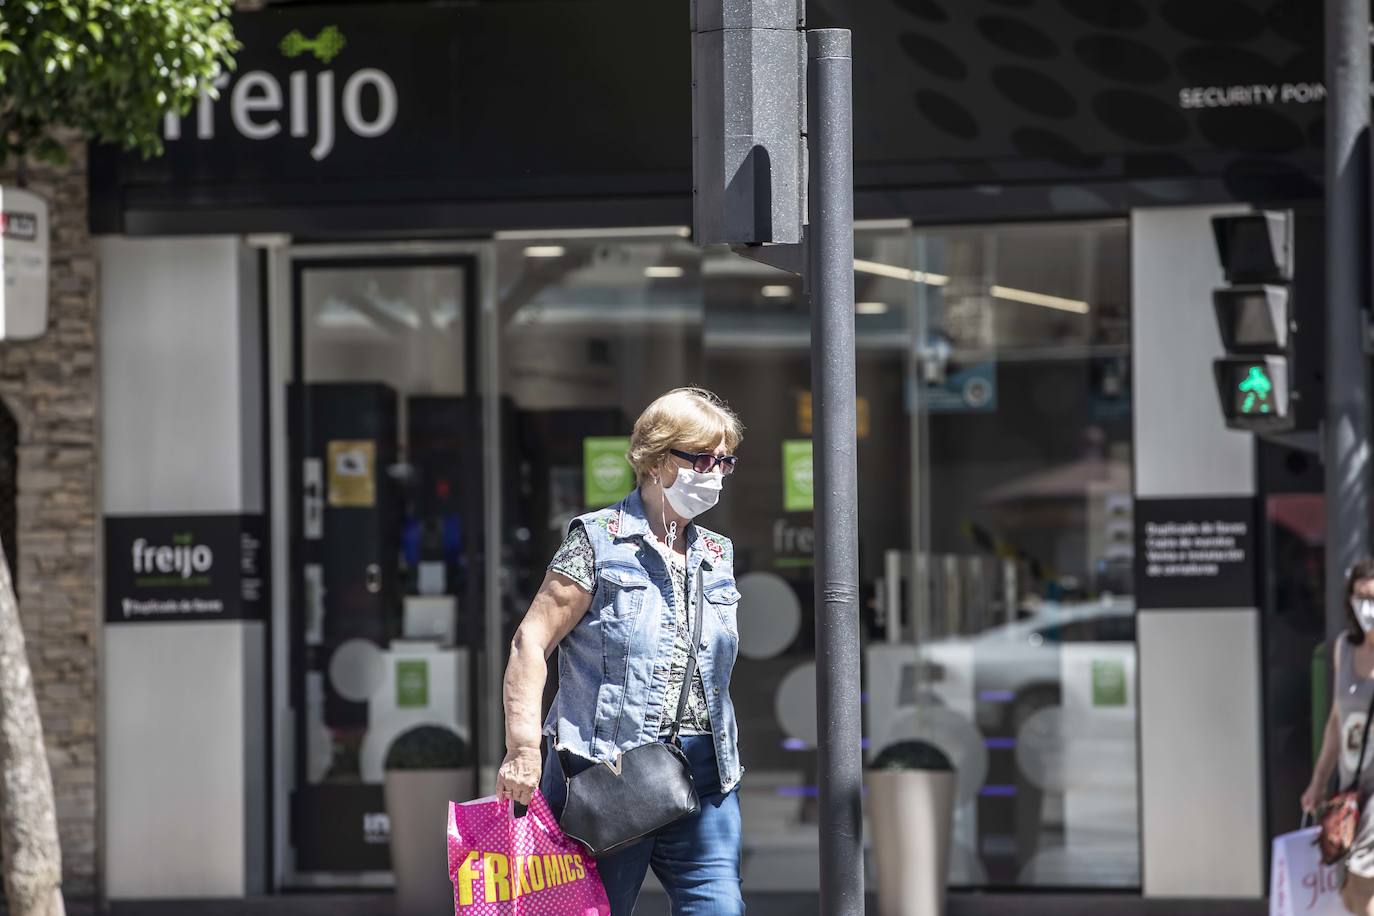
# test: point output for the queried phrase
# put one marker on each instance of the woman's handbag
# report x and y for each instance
(1340, 815)
(611, 805)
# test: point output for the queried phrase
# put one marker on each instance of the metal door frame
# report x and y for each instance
(285, 261)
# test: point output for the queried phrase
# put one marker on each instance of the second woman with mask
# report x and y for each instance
(1353, 659)
(616, 603)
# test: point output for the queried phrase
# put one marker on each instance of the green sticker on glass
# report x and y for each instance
(1109, 683)
(797, 494)
(606, 475)
(412, 683)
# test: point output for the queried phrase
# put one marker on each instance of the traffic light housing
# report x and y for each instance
(749, 169)
(1265, 382)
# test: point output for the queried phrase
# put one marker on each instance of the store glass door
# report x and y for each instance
(385, 508)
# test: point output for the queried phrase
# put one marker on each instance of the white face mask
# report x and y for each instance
(1364, 612)
(693, 493)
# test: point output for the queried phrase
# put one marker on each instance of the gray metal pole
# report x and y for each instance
(830, 283)
(1346, 435)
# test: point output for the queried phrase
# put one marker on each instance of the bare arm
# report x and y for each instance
(1331, 748)
(1330, 752)
(556, 609)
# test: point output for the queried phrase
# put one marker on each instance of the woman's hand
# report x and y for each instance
(1312, 799)
(519, 775)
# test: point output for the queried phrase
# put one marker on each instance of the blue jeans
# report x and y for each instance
(697, 860)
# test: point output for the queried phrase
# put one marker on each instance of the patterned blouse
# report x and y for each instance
(576, 560)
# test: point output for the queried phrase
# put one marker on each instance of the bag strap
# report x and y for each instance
(691, 656)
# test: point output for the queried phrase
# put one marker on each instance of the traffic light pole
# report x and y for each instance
(830, 286)
(748, 101)
(1346, 442)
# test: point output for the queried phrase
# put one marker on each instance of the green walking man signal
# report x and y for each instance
(1256, 387)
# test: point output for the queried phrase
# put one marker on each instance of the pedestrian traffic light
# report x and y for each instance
(1256, 317)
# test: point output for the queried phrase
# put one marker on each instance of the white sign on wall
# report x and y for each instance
(24, 244)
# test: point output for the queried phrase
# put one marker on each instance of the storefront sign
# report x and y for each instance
(797, 476)
(352, 473)
(257, 106)
(447, 102)
(481, 102)
(341, 827)
(1257, 94)
(23, 264)
(1109, 682)
(606, 476)
(312, 490)
(1195, 553)
(794, 546)
(412, 683)
(184, 567)
(968, 390)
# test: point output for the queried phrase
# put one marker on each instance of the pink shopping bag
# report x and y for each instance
(503, 865)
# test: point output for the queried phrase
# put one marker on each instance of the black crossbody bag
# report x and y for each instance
(650, 787)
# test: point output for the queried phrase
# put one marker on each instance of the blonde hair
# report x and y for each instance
(688, 419)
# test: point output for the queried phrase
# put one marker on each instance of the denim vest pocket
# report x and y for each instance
(620, 591)
(724, 597)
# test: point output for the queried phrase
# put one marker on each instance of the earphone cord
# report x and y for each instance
(669, 530)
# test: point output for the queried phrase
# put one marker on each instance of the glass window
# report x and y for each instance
(995, 509)
(386, 550)
(591, 329)
(1019, 586)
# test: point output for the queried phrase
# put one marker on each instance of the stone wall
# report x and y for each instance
(50, 386)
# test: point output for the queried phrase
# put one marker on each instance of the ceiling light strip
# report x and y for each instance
(624, 232)
(1077, 306)
(893, 272)
(1010, 293)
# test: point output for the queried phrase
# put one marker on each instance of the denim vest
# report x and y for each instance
(613, 666)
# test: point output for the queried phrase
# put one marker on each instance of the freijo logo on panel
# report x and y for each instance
(261, 107)
(182, 559)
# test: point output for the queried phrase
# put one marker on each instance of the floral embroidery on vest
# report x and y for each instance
(715, 547)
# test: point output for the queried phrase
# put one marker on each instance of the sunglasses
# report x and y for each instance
(704, 462)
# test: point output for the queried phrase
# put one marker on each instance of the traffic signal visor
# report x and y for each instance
(1253, 319)
(1255, 247)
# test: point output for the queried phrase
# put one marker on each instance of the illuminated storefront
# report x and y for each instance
(445, 243)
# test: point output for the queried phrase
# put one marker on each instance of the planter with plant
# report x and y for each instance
(426, 768)
(911, 788)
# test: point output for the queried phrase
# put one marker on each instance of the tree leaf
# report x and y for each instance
(109, 68)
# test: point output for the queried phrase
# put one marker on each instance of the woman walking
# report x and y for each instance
(620, 604)
(1353, 661)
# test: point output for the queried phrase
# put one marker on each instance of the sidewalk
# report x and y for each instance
(758, 904)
